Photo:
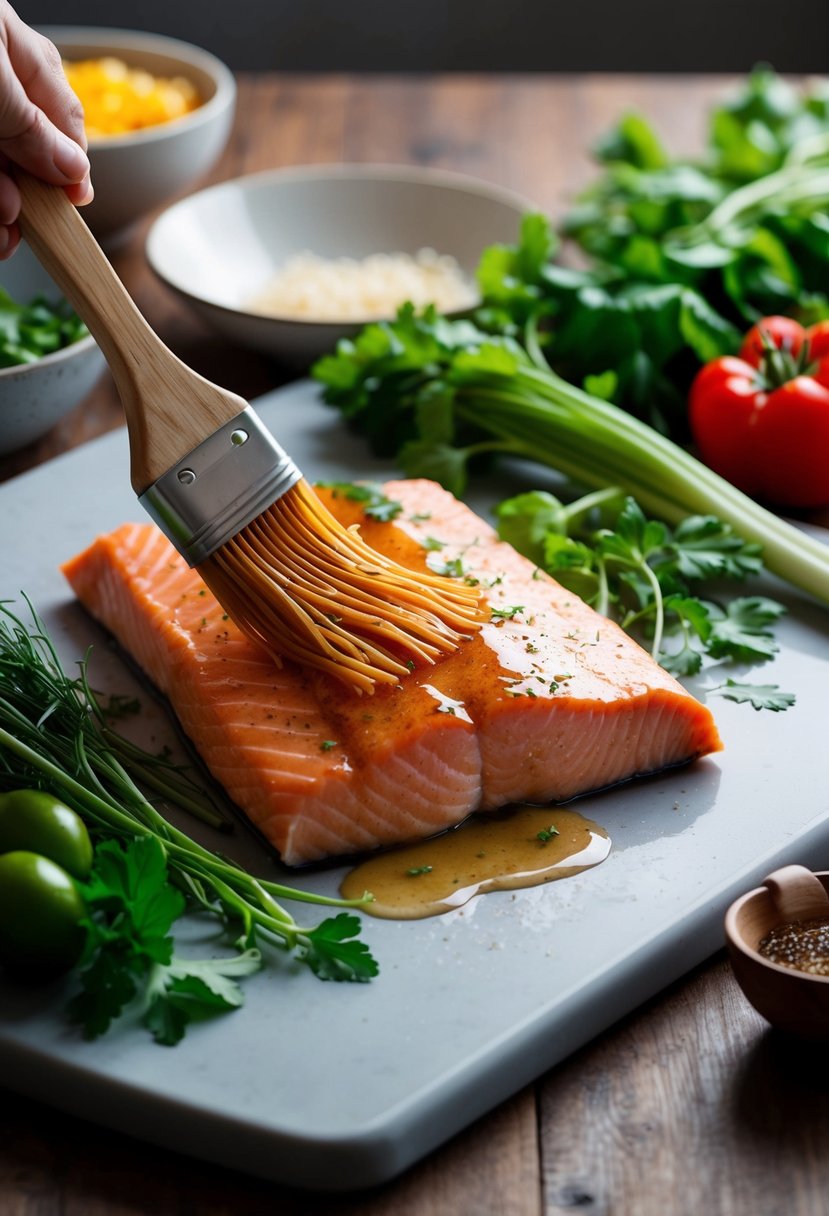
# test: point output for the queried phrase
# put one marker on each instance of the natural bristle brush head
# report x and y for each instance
(304, 587)
(299, 583)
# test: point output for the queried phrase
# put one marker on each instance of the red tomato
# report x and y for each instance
(818, 336)
(722, 403)
(785, 333)
(790, 444)
(769, 438)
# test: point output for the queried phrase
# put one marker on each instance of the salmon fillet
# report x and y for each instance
(549, 700)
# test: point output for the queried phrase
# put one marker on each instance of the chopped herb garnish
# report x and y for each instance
(375, 503)
(416, 871)
(547, 834)
(506, 614)
(452, 569)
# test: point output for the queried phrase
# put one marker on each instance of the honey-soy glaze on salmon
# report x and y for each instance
(547, 701)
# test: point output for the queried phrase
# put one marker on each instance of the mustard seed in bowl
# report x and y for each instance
(801, 945)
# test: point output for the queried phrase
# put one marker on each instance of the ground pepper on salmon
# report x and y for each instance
(547, 701)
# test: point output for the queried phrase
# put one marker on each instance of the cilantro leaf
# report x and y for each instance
(693, 622)
(192, 989)
(645, 574)
(331, 954)
(760, 696)
(131, 909)
(742, 629)
(634, 538)
(705, 547)
(438, 461)
(526, 520)
(107, 986)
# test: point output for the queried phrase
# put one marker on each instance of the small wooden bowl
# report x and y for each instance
(793, 1001)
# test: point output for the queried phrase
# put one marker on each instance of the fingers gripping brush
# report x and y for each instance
(234, 504)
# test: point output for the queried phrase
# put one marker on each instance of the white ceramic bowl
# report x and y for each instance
(218, 248)
(35, 396)
(136, 173)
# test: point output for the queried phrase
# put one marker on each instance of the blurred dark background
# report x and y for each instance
(476, 35)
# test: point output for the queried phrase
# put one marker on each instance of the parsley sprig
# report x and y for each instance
(658, 582)
(129, 954)
(54, 736)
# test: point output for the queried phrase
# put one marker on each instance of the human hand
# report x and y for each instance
(41, 122)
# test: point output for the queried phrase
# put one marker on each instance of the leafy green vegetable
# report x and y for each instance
(547, 834)
(53, 737)
(760, 696)
(131, 908)
(677, 258)
(497, 396)
(655, 581)
(741, 630)
(30, 331)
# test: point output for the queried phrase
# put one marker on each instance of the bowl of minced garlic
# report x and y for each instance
(778, 943)
(157, 111)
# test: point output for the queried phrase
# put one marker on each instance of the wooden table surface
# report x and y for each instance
(689, 1106)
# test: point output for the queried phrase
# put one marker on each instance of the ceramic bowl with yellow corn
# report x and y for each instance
(158, 113)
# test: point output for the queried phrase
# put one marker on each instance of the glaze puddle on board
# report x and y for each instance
(522, 847)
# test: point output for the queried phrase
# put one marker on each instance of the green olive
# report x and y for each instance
(38, 823)
(40, 916)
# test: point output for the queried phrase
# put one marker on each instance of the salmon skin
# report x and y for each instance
(548, 701)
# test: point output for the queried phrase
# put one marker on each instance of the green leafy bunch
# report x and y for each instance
(677, 258)
(131, 908)
(657, 582)
(55, 735)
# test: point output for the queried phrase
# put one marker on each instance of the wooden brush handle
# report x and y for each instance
(169, 408)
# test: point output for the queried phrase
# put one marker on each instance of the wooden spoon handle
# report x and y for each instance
(169, 408)
(798, 894)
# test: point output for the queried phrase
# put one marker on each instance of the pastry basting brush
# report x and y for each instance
(234, 504)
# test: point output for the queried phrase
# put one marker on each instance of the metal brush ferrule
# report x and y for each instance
(218, 488)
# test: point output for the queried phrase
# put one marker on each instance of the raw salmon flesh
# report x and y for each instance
(549, 700)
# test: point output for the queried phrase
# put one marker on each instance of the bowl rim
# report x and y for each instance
(115, 40)
(737, 942)
(56, 356)
(338, 171)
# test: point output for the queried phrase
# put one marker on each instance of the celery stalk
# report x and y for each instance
(596, 444)
(431, 390)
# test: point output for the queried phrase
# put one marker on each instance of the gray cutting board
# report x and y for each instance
(340, 1086)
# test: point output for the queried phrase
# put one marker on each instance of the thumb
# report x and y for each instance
(30, 139)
